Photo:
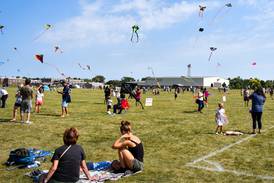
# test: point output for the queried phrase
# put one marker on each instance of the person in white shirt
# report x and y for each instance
(221, 118)
(4, 96)
(39, 99)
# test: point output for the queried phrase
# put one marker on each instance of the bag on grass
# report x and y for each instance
(20, 156)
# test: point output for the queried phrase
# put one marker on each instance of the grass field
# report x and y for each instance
(173, 134)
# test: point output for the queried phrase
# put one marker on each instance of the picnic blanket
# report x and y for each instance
(102, 175)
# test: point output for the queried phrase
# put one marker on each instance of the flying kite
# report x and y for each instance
(253, 63)
(201, 10)
(201, 29)
(39, 58)
(88, 66)
(135, 29)
(57, 48)
(229, 5)
(212, 49)
(47, 27)
(83, 68)
(18, 70)
(1, 29)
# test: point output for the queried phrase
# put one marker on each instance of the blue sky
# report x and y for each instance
(97, 33)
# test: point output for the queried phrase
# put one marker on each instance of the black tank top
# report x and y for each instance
(137, 151)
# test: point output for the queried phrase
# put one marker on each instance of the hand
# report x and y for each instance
(126, 136)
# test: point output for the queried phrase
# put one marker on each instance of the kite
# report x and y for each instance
(88, 66)
(218, 64)
(157, 82)
(57, 48)
(2, 63)
(201, 29)
(189, 66)
(229, 5)
(15, 49)
(135, 29)
(46, 28)
(1, 29)
(83, 68)
(201, 10)
(253, 63)
(39, 58)
(18, 70)
(212, 49)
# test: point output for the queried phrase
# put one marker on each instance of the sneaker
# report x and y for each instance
(28, 122)
(12, 120)
(109, 112)
(217, 133)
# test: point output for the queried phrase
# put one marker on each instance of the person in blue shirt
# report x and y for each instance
(258, 100)
(66, 99)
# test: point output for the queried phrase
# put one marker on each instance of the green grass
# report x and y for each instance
(172, 133)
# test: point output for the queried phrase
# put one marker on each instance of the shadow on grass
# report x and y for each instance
(4, 120)
(48, 114)
(190, 112)
(98, 103)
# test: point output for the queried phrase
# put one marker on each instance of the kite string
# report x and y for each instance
(56, 68)
(209, 58)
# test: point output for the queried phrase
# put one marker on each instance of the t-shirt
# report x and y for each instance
(221, 117)
(68, 169)
(39, 96)
(257, 102)
(3, 92)
(66, 93)
(200, 96)
(26, 92)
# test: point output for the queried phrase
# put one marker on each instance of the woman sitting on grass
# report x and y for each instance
(130, 150)
(67, 160)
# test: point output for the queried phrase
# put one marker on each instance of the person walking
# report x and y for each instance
(4, 96)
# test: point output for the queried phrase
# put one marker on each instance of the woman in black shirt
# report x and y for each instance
(67, 160)
(130, 149)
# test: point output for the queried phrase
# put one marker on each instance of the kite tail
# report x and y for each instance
(137, 35)
(131, 39)
(209, 58)
(39, 35)
(56, 68)
(215, 16)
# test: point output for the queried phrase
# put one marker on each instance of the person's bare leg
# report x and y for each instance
(221, 129)
(128, 158)
(28, 116)
(121, 159)
(66, 110)
(63, 111)
(216, 131)
(14, 114)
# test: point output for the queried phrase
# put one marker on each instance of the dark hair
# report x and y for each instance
(125, 126)
(70, 136)
(260, 91)
(27, 81)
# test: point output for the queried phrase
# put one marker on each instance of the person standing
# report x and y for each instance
(258, 99)
(246, 97)
(200, 101)
(66, 99)
(27, 94)
(17, 103)
(4, 96)
(39, 99)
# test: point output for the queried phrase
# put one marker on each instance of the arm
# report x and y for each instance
(52, 170)
(121, 142)
(85, 169)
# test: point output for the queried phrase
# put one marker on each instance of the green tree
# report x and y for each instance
(127, 79)
(254, 83)
(114, 83)
(99, 79)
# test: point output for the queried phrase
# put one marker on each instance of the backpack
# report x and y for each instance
(20, 156)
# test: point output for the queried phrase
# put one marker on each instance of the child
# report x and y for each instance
(109, 104)
(221, 118)
(39, 99)
(17, 103)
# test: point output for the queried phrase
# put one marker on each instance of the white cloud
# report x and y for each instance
(102, 22)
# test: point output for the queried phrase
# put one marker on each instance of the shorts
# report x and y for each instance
(17, 105)
(64, 103)
(39, 102)
(137, 165)
(246, 98)
(26, 106)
